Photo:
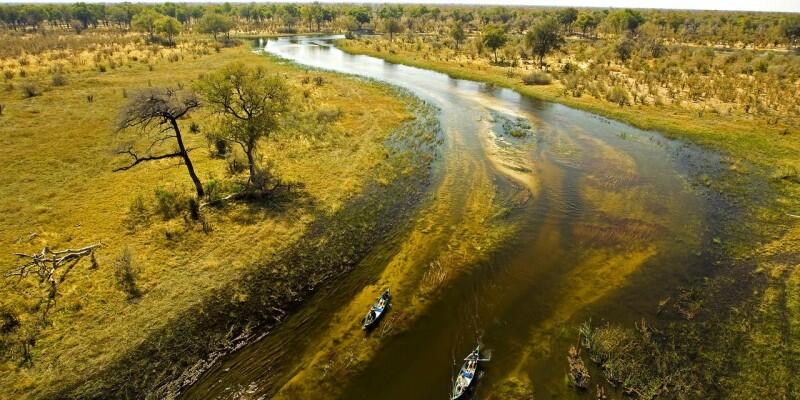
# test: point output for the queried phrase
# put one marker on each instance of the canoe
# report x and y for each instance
(466, 376)
(376, 310)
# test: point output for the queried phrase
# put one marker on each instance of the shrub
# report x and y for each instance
(319, 81)
(214, 190)
(537, 78)
(169, 203)
(59, 79)
(8, 74)
(618, 95)
(9, 321)
(137, 213)
(30, 89)
(126, 273)
(328, 115)
(236, 165)
(2, 107)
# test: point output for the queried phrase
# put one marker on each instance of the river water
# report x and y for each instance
(540, 217)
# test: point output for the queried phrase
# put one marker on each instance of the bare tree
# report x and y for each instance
(52, 268)
(154, 113)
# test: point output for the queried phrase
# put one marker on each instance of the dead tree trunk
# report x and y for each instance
(155, 114)
(52, 268)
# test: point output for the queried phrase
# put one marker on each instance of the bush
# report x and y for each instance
(214, 190)
(236, 165)
(618, 95)
(126, 273)
(59, 79)
(537, 78)
(170, 204)
(30, 89)
(8, 74)
(328, 115)
(137, 213)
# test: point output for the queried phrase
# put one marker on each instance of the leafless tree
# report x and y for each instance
(51, 267)
(155, 113)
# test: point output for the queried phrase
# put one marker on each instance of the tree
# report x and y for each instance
(215, 23)
(586, 22)
(168, 26)
(624, 48)
(626, 19)
(120, 15)
(361, 16)
(543, 38)
(392, 26)
(85, 14)
(249, 103)
(146, 21)
(566, 17)
(494, 38)
(791, 30)
(155, 113)
(457, 32)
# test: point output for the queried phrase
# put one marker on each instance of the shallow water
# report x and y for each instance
(579, 218)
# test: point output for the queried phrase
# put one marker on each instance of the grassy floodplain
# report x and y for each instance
(60, 191)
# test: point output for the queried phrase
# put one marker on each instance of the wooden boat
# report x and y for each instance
(376, 310)
(466, 376)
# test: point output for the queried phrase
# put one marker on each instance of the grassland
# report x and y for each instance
(59, 191)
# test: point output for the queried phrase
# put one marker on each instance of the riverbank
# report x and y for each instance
(251, 261)
(749, 139)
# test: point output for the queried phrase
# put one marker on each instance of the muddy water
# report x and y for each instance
(540, 217)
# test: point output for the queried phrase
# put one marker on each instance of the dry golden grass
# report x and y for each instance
(58, 190)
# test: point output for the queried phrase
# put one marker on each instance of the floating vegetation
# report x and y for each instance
(516, 127)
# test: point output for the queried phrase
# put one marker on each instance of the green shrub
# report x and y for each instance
(169, 204)
(537, 78)
(31, 89)
(137, 213)
(618, 95)
(59, 79)
(126, 274)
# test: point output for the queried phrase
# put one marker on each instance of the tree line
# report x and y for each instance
(702, 27)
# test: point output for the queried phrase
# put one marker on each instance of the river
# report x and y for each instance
(539, 218)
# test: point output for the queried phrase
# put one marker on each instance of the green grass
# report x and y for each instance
(58, 190)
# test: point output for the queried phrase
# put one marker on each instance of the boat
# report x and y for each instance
(466, 376)
(376, 310)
